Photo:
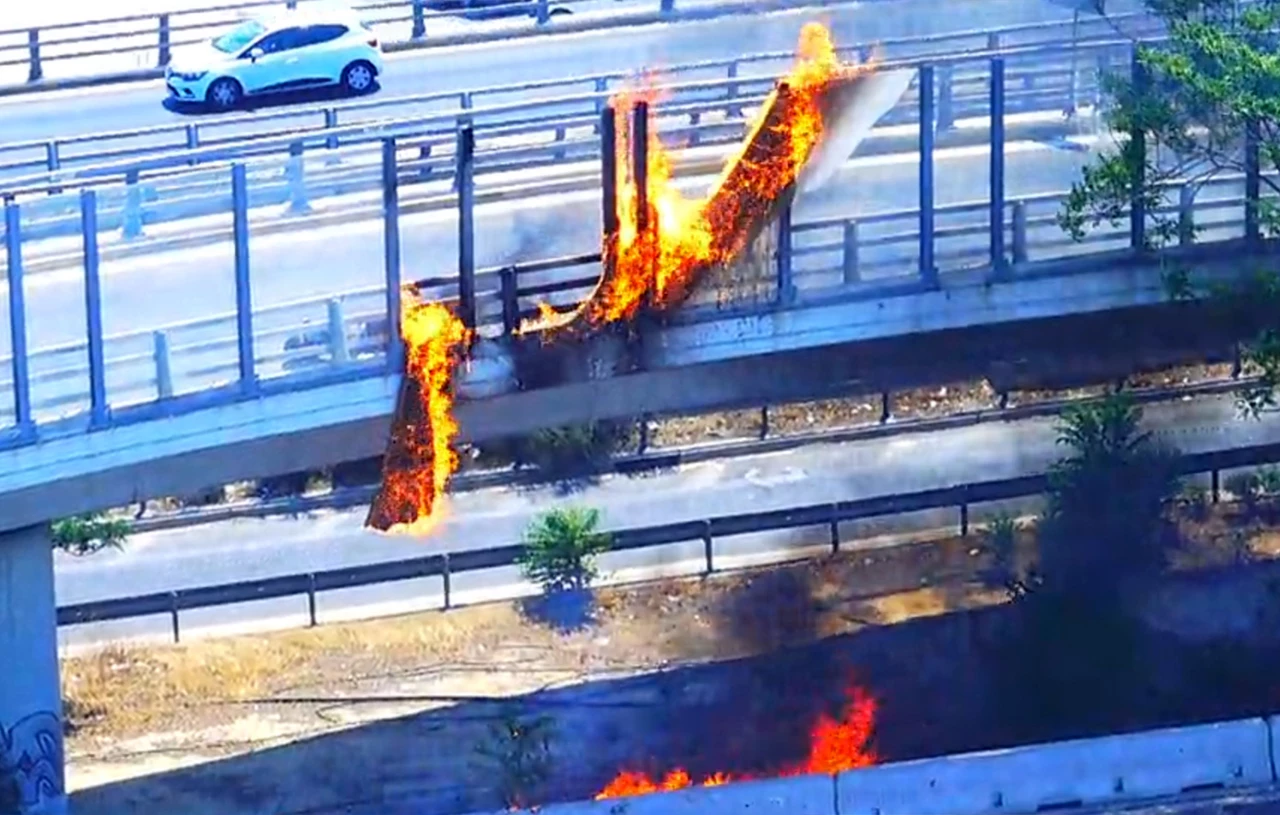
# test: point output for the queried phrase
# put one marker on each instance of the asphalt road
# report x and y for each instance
(123, 107)
(259, 548)
(156, 290)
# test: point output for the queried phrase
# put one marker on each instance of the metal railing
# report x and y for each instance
(55, 155)
(449, 564)
(136, 193)
(146, 42)
(876, 255)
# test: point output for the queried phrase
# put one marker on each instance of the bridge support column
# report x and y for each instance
(32, 774)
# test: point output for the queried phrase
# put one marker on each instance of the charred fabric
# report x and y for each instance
(657, 246)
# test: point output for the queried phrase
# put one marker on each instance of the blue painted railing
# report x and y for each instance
(854, 257)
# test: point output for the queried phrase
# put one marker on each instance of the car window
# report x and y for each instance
(283, 40)
(319, 34)
(238, 37)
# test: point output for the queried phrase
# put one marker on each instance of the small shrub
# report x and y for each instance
(1002, 541)
(573, 449)
(517, 753)
(86, 534)
(560, 548)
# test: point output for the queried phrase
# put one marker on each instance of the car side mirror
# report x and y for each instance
(255, 53)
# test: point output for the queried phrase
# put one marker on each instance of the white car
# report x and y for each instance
(290, 52)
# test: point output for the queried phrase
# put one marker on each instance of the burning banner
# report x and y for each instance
(657, 246)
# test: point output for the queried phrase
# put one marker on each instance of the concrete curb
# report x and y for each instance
(637, 463)
(569, 183)
(562, 27)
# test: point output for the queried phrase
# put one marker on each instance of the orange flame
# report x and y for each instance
(836, 745)
(434, 340)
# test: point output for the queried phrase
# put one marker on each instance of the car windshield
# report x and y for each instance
(238, 37)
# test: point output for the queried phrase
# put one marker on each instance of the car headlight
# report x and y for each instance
(188, 76)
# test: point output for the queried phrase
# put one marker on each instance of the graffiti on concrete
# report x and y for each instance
(31, 768)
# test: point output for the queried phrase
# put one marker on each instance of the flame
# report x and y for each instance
(434, 341)
(657, 262)
(835, 745)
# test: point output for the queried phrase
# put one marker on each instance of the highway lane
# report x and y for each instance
(151, 291)
(258, 548)
(59, 114)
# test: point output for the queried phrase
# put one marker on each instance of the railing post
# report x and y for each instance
(164, 366)
(164, 41)
(1019, 232)
(173, 615)
(764, 422)
(734, 111)
(849, 256)
(446, 579)
(993, 41)
(886, 407)
(834, 526)
(244, 290)
(464, 170)
(93, 308)
(391, 251)
(131, 218)
(999, 264)
(296, 179)
(601, 91)
(337, 332)
(544, 12)
(964, 519)
(786, 278)
(1215, 486)
(17, 317)
(311, 599)
(53, 161)
(708, 549)
(419, 21)
(667, 6)
(330, 122)
(928, 271)
(510, 301)
(1252, 184)
(608, 170)
(1186, 215)
(1138, 146)
(946, 97)
(36, 72)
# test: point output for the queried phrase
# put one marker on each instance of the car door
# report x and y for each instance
(273, 62)
(325, 52)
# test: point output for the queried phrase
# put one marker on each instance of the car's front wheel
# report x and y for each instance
(224, 94)
(358, 77)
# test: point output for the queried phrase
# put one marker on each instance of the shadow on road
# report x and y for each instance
(256, 104)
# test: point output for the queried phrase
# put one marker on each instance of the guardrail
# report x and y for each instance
(57, 155)
(163, 188)
(348, 330)
(149, 39)
(446, 565)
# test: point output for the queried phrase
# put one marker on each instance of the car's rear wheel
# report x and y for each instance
(358, 77)
(224, 94)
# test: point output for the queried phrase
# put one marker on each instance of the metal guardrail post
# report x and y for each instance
(946, 97)
(391, 252)
(296, 178)
(764, 423)
(999, 263)
(464, 170)
(17, 317)
(311, 599)
(928, 269)
(886, 407)
(667, 6)
(419, 21)
(93, 308)
(849, 260)
(36, 70)
(164, 41)
(1138, 143)
(786, 278)
(164, 365)
(609, 170)
(446, 581)
(53, 161)
(731, 90)
(510, 301)
(1186, 215)
(708, 549)
(131, 219)
(173, 615)
(338, 352)
(192, 132)
(330, 122)
(543, 12)
(993, 41)
(601, 88)
(640, 162)
(1019, 232)
(244, 288)
(1252, 184)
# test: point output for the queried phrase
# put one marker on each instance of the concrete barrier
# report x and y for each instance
(803, 795)
(1088, 771)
